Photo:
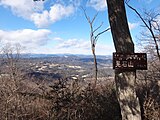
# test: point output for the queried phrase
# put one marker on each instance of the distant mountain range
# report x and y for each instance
(30, 55)
(63, 58)
(68, 57)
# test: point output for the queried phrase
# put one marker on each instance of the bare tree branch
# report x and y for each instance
(149, 27)
(94, 38)
(102, 33)
(95, 16)
(98, 27)
(88, 18)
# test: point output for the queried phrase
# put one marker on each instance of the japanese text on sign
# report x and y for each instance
(132, 61)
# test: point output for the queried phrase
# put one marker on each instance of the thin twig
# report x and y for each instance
(149, 28)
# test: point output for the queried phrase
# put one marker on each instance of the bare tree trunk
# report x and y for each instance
(95, 66)
(93, 39)
(125, 80)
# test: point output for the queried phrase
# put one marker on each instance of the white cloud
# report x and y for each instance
(38, 41)
(56, 13)
(22, 8)
(31, 39)
(76, 46)
(74, 43)
(132, 25)
(57, 39)
(104, 49)
(34, 11)
(41, 19)
(98, 5)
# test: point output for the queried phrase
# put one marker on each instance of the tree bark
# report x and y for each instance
(125, 80)
(95, 66)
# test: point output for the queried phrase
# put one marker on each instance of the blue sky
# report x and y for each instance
(59, 26)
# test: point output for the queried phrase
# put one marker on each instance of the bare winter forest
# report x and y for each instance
(74, 86)
(61, 88)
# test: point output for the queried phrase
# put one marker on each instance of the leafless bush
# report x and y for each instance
(151, 109)
(14, 105)
(74, 102)
(21, 98)
(149, 91)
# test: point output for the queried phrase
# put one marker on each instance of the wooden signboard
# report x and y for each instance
(131, 61)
